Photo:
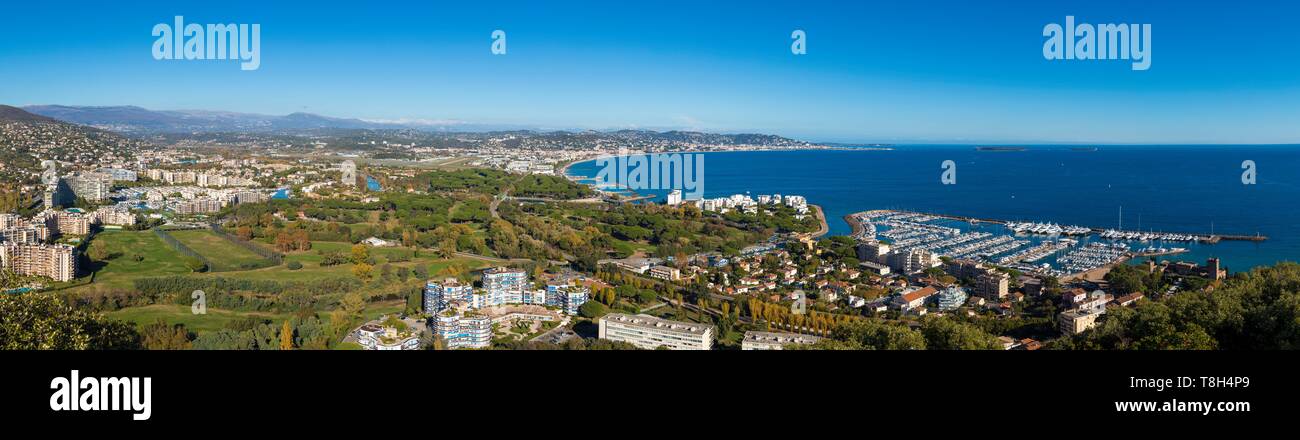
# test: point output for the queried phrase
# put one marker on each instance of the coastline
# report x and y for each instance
(563, 170)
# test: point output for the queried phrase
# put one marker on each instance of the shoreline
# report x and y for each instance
(564, 169)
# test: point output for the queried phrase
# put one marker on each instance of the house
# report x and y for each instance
(378, 242)
(1128, 300)
(914, 299)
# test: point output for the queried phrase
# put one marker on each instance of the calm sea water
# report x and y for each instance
(1165, 188)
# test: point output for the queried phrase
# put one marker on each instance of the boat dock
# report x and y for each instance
(1201, 237)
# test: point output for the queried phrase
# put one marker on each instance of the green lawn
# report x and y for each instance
(215, 319)
(219, 251)
(158, 258)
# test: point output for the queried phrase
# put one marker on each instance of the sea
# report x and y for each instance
(1186, 189)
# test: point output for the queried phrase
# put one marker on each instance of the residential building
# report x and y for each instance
(667, 273)
(952, 298)
(503, 286)
(57, 262)
(650, 333)
(459, 329)
(913, 299)
(438, 295)
(755, 340)
(567, 297)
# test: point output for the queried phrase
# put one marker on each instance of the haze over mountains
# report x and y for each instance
(141, 121)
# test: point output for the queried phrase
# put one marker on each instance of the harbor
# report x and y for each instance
(1042, 248)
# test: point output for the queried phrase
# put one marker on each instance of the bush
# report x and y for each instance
(294, 265)
(592, 309)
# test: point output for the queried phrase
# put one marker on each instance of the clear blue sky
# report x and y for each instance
(887, 71)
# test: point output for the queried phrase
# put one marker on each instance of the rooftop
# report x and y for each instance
(658, 323)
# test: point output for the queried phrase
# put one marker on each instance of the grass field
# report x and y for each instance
(158, 258)
(219, 251)
(215, 319)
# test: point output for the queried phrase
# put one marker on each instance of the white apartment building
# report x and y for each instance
(650, 333)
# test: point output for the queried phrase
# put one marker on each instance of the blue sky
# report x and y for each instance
(915, 71)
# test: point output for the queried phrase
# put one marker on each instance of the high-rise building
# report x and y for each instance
(650, 333)
(438, 295)
(567, 297)
(463, 330)
(56, 262)
(503, 286)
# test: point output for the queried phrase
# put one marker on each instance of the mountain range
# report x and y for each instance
(138, 120)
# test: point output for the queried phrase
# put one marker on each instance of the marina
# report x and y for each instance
(1042, 248)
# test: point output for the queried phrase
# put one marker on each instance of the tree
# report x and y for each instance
(286, 336)
(360, 253)
(98, 250)
(592, 309)
(942, 333)
(46, 322)
(363, 271)
(163, 336)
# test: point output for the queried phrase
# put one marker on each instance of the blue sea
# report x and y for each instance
(1191, 189)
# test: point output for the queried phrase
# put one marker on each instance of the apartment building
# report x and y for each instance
(755, 340)
(463, 330)
(56, 262)
(650, 333)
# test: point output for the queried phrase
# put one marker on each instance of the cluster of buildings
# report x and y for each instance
(202, 179)
(987, 282)
(455, 305)
(884, 260)
(748, 205)
(1083, 310)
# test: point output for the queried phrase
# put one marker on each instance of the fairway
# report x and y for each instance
(220, 252)
(157, 259)
(214, 319)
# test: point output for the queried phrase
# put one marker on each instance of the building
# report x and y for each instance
(952, 298)
(567, 297)
(986, 282)
(57, 262)
(874, 267)
(873, 251)
(774, 341)
(911, 261)
(459, 329)
(438, 295)
(666, 273)
(674, 198)
(377, 337)
(118, 174)
(349, 170)
(651, 333)
(1073, 322)
(913, 299)
(93, 187)
(113, 216)
(67, 222)
(198, 206)
(502, 286)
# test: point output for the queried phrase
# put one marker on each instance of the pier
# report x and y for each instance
(1202, 237)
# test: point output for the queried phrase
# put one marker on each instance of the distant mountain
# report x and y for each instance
(15, 114)
(141, 121)
(132, 119)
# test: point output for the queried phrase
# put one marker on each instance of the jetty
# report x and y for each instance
(1202, 237)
